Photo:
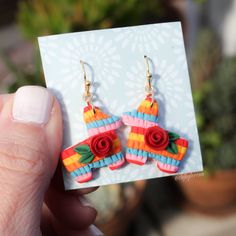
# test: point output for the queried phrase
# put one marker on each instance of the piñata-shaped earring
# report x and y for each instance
(102, 148)
(148, 140)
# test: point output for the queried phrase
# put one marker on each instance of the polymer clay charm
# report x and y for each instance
(148, 140)
(102, 148)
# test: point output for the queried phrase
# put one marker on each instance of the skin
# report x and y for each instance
(32, 196)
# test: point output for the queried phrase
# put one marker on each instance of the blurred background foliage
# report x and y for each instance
(74, 15)
(214, 86)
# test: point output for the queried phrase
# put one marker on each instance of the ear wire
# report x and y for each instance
(87, 96)
(149, 88)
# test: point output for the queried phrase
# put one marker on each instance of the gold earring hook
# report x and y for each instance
(87, 84)
(148, 87)
(87, 94)
(82, 64)
(148, 70)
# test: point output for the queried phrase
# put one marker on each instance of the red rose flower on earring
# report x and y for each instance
(156, 138)
(101, 145)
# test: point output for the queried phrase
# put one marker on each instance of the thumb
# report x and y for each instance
(30, 141)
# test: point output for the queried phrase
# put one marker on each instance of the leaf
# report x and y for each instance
(173, 136)
(86, 158)
(82, 149)
(85, 152)
(172, 148)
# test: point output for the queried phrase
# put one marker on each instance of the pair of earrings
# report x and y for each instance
(103, 147)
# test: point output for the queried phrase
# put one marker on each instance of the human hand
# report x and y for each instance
(31, 203)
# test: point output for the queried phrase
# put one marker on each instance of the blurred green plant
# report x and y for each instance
(205, 57)
(37, 18)
(214, 87)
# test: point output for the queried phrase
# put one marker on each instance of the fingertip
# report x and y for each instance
(32, 104)
(69, 209)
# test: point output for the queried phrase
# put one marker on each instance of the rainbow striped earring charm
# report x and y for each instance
(102, 148)
(147, 140)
